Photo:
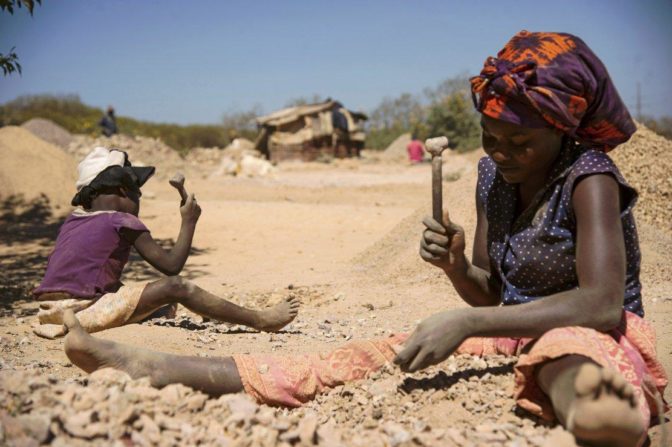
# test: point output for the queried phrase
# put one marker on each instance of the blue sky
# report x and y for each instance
(190, 62)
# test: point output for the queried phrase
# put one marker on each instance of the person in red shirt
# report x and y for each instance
(416, 150)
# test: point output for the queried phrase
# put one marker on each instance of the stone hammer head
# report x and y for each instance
(436, 146)
(177, 182)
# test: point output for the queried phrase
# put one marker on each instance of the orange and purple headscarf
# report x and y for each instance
(553, 79)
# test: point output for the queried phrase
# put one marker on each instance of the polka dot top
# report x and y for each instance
(534, 255)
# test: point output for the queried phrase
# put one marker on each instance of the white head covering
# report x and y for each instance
(99, 159)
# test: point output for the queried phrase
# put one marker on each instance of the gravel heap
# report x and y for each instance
(397, 149)
(646, 163)
(49, 131)
(34, 170)
(466, 403)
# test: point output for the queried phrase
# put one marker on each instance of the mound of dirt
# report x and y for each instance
(397, 150)
(49, 131)
(142, 151)
(33, 169)
(646, 163)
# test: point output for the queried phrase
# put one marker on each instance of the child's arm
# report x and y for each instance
(171, 262)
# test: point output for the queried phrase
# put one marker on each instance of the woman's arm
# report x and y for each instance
(600, 266)
(444, 247)
(171, 262)
(597, 303)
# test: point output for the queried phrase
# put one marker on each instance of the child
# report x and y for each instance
(555, 243)
(93, 245)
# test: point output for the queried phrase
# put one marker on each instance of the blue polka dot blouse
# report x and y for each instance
(534, 254)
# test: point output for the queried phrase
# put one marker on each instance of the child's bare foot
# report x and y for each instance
(278, 316)
(604, 411)
(91, 354)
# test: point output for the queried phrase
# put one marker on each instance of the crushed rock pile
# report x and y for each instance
(212, 156)
(646, 163)
(397, 149)
(33, 169)
(142, 151)
(49, 131)
(237, 159)
(467, 403)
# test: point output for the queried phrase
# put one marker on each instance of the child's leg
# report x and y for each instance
(212, 376)
(596, 404)
(176, 289)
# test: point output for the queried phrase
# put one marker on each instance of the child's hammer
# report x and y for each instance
(436, 146)
(177, 182)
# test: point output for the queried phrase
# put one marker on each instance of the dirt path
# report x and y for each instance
(345, 237)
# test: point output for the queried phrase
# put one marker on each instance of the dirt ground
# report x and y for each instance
(343, 237)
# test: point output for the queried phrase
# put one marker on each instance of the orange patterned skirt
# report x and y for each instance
(291, 380)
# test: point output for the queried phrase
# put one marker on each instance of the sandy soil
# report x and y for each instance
(344, 237)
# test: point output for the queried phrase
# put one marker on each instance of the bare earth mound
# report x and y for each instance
(49, 131)
(32, 168)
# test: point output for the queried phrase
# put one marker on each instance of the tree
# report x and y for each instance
(241, 123)
(455, 118)
(662, 126)
(10, 62)
(443, 110)
(304, 100)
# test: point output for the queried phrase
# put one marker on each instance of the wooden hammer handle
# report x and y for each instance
(436, 146)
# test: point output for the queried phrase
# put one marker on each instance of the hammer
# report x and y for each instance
(436, 146)
(177, 182)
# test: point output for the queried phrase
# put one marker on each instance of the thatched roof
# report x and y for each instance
(290, 114)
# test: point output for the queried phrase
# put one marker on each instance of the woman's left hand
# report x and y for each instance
(433, 341)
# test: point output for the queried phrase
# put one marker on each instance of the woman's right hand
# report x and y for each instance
(191, 210)
(443, 245)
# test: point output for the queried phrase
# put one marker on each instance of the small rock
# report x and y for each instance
(241, 404)
(396, 433)
(558, 437)
(308, 428)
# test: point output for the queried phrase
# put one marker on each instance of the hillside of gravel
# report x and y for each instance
(646, 163)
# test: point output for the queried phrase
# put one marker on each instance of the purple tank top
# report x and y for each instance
(90, 254)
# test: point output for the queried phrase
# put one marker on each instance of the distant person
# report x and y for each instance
(108, 123)
(341, 135)
(84, 269)
(416, 150)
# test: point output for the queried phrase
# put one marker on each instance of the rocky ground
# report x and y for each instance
(343, 238)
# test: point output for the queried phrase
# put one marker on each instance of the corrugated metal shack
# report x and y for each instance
(310, 131)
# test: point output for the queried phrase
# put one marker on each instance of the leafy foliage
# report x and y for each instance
(9, 5)
(444, 110)
(69, 112)
(10, 62)
(662, 126)
(304, 100)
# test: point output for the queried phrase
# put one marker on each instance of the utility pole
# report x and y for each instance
(639, 103)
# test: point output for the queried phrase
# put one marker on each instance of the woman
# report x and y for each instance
(555, 236)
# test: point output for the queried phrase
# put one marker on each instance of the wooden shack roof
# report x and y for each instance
(290, 114)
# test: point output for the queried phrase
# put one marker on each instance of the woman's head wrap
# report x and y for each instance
(553, 79)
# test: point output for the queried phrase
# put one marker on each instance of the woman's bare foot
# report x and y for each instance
(278, 316)
(604, 410)
(91, 354)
